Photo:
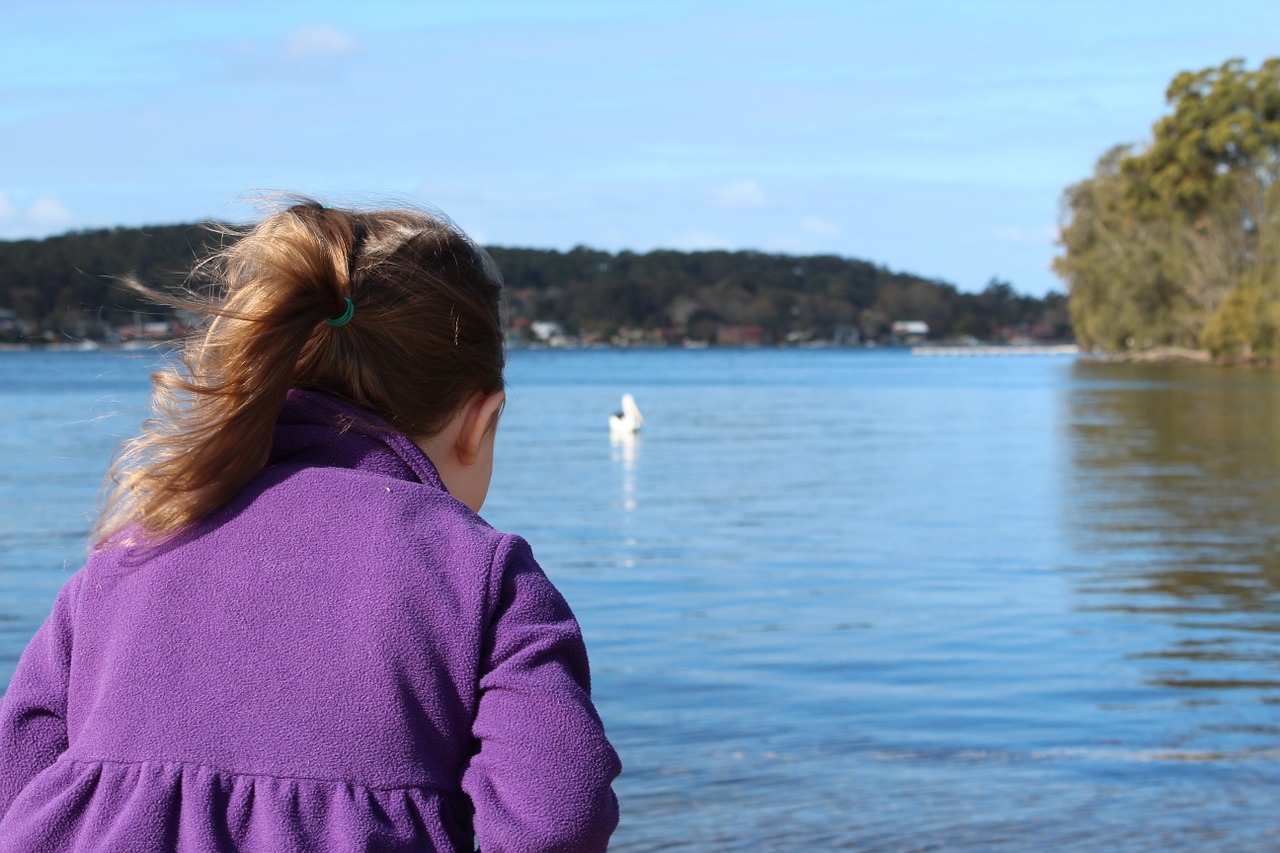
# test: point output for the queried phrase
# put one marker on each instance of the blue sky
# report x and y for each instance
(931, 137)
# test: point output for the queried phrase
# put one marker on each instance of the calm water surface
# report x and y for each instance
(851, 600)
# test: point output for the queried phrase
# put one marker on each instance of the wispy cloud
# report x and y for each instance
(1018, 234)
(319, 42)
(44, 215)
(819, 227)
(700, 241)
(49, 213)
(740, 194)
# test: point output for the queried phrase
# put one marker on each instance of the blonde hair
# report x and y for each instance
(426, 335)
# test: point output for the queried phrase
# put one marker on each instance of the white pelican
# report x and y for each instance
(629, 420)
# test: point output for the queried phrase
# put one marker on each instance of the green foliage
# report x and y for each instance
(1225, 125)
(1244, 326)
(1158, 241)
(1122, 286)
(1247, 323)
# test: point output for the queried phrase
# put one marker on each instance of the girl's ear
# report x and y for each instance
(480, 417)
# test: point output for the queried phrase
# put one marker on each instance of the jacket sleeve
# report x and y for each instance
(33, 710)
(541, 777)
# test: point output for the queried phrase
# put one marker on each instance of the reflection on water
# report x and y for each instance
(1175, 515)
(626, 448)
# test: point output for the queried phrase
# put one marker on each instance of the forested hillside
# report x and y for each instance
(65, 288)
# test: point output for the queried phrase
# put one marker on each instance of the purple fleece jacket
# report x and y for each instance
(344, 658)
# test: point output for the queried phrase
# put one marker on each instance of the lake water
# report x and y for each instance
(851, 600)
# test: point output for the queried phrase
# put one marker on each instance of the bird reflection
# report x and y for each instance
(625, 448)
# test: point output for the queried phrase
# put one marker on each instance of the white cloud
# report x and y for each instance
(43, 216)
(740, 194)
(692, 241)
(319, 41)
(49, 213)
(819, 227)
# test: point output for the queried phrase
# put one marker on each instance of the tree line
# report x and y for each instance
(1177, 242)
(66, 287)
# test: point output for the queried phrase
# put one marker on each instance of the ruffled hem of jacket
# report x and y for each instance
(174, 807)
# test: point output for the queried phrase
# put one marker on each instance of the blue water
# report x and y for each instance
(851, 600)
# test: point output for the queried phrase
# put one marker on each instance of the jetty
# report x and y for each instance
(996, 349)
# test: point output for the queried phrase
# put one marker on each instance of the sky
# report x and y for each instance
(926, 136)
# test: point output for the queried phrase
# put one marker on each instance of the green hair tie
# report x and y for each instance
(346, 315)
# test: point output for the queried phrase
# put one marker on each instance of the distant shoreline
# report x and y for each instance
(914, 349)
(1158, 355)
(87, 346)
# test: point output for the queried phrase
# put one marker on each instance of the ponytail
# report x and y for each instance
(414, 330)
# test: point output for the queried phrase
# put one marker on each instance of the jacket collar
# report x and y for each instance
(317, 429)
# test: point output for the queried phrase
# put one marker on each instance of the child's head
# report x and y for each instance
(421, 335)
(425, 332)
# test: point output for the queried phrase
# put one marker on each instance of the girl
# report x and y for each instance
(294, 632)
